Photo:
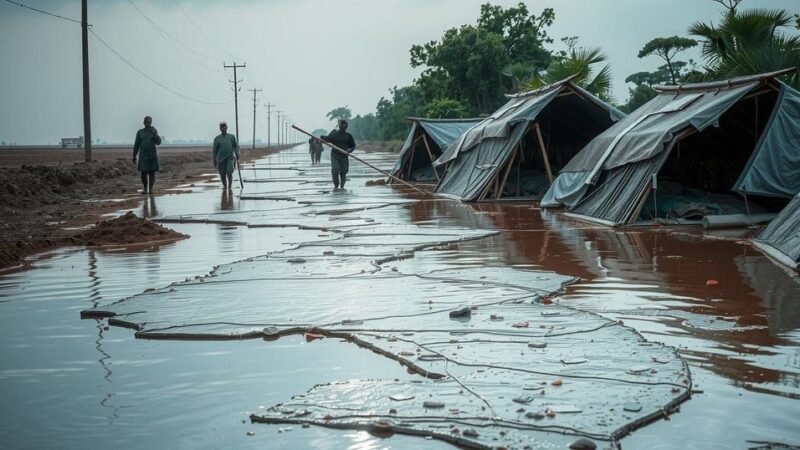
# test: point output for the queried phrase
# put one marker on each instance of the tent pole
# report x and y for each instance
(499, 192)
(430, 155)
(544, 153)
(411, 160)
(747, 208)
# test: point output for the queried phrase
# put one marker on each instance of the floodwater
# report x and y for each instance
(68, 382)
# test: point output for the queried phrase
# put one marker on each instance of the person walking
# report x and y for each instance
(340, 163)
(144, 146)
(312, 149)
(317, 151)
(226, 155)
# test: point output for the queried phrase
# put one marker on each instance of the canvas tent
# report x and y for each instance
(680, 156)
(426, 141)
(781, 238)
(514, 153)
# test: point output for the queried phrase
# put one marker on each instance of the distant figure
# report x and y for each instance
(145, 147)
(317, 151)
(312, 149)
(340, 163)
(226, 153)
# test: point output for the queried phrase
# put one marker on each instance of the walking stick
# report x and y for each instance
(363, 162)
(239, 168)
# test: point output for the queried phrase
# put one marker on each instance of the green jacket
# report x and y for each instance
(225, 146)
(145, 147)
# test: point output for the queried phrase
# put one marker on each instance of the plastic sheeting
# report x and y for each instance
(442, 132)
(774, 167)
(480, 152)
(781, 238)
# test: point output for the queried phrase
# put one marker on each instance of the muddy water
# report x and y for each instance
(71, 383)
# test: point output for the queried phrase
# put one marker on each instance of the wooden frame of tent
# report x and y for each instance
(766, 84)
(494, 189)
(408, 164)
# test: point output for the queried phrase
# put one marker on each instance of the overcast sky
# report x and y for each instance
(308, 56)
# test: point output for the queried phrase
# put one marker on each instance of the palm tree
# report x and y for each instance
(749, 42)
(580, 62)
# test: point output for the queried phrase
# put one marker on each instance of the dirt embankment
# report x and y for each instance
(38, 201)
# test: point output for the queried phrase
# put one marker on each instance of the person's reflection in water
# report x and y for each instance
(226, 202)
(149, 208)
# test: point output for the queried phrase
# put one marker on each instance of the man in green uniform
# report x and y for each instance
(145, 147)
(226, 153)
(340, 163)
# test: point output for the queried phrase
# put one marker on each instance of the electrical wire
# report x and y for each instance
(42, 11)
(200, 30)
(172, 40)
(122, 58)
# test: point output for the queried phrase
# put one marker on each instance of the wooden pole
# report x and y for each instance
(544, 152)
(430, 155)
(87, 117)
(508, 171)
(364, 162)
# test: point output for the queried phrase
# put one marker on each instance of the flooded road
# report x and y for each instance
(72, 383)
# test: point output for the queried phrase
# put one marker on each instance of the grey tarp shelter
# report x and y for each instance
(781, 238)
(514, 153)
(740, 135)
(426, 141)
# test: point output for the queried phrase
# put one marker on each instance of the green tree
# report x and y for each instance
(749, 42)
(667, 48)
(445, 108)
(342, 112)
(391, 113)
(580, 62)
(364, 128)
(467, 64)
(638, 96)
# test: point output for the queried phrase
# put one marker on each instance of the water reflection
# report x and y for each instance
(740, 327)
(226, 200)
(149, 209)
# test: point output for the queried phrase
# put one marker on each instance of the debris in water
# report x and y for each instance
(523, 399)
(464, 311)
(296, 261)
(537, 344)
(401, 398)
(313, 337)
(582, 443)
(574, 360)
(520, 325)
(430, 404)
(251, 433)
(556, 382)
(632, 407)
(710, 283)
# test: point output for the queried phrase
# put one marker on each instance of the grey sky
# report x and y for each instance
(308, 56)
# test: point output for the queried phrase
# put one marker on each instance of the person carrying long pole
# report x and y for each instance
(344, 152)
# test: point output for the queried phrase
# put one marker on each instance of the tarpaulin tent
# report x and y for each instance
(514, 152)
(426, 141)
(781, 238)
(698, 143)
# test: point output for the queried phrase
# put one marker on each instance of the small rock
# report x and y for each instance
(296, 261)
(523, 399)
(537, 344)
(582, 443)
(556, 382)
(470, 432)
(251, 433)
(573, 361)
(535, 415)
(400, 397)
(328, 252)
(632, 407)
(430, 404)
(520, 325)
(461, 312)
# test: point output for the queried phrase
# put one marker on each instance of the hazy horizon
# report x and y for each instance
(308, 56)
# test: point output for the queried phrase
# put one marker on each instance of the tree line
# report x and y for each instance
(468, 71)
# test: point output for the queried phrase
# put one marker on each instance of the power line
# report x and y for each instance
(167, 35)
(200, 30)
(43, 12)
(148, 77)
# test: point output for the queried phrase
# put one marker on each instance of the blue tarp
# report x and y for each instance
(475, 159)
(781, 238)
(594, 185)
(441, 132)
(774, 167)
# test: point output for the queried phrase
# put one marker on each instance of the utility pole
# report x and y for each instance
(269, 112)
(279, 126)
(236, 89)
(254, 114)
(87, 117)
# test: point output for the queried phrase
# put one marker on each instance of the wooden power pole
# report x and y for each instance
(255, 91)
(269, 113)
(236, 88)
(87, 117)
